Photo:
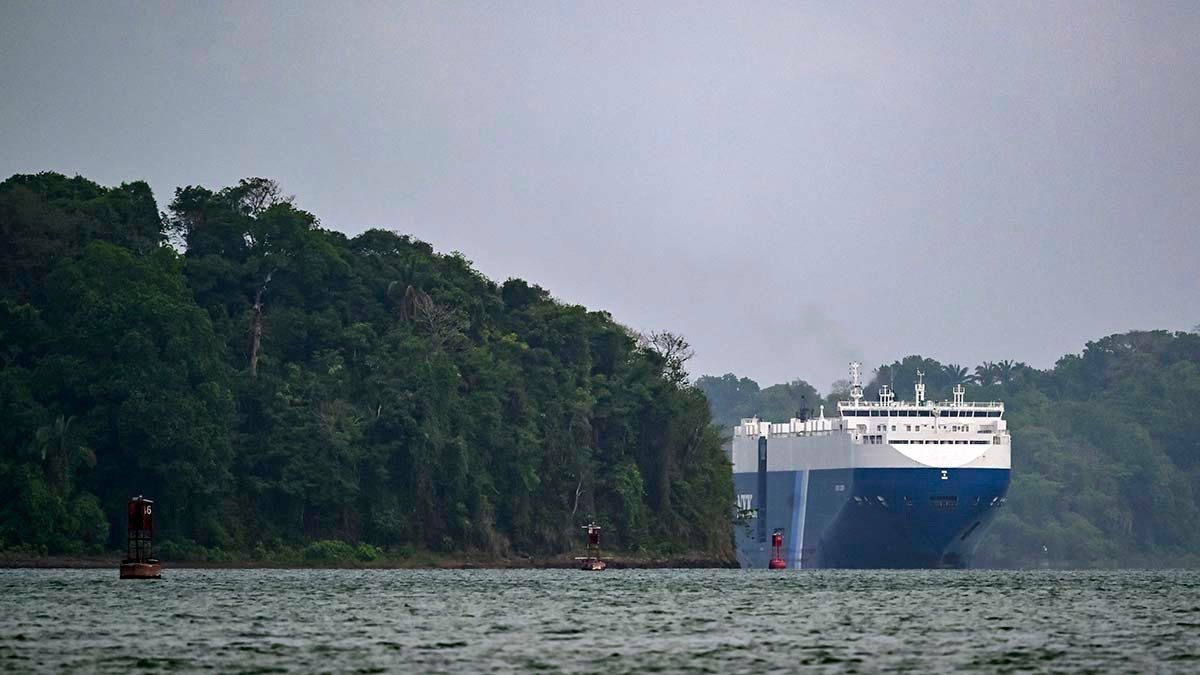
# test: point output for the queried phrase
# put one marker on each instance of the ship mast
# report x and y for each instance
(856, 391)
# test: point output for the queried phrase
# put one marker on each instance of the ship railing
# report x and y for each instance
(927, 404)
(754, 433)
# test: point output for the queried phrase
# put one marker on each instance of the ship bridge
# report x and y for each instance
(921, 422)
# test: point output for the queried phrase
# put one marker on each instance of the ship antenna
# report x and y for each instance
(855, 382)
(920, 387)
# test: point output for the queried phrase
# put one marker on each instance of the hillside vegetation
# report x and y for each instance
(1105, 454)
(273, 384)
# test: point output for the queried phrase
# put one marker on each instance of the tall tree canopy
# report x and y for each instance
(278, 383)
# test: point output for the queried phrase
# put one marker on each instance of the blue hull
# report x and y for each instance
(868, 518)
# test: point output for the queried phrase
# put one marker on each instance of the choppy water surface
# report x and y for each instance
(718, 621)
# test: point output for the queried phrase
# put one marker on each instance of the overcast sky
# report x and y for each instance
(789, 186)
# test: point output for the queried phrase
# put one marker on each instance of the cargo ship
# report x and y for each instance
(881, 484)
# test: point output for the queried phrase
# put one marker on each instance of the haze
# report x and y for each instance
(788, 186)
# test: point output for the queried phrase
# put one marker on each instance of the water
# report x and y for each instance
(719, 621)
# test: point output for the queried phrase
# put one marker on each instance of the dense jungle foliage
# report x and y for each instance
(1105, 454)
(272, 383)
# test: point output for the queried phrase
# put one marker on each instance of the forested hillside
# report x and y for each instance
(1106, 446)
(272, 383)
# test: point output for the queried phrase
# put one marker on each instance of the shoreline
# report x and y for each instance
(462, 562)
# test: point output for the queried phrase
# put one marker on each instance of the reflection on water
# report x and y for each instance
(718, 621)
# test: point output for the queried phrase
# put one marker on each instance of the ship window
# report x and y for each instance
(893, 427)
(908, 427)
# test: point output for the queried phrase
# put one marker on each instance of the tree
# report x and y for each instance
(62, 453)
(673, 351)
(956, 374)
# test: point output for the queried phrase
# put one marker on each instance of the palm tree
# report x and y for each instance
(1005, 370)
(985, 373)
(60, 455)
(956, 374)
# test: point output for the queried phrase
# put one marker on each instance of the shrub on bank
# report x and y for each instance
(329, 551)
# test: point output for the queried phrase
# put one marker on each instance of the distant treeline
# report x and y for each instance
(272, 383)
(1106, 446)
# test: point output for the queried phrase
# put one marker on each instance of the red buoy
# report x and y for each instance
(592, 561)
(777, 561)
(139, 562)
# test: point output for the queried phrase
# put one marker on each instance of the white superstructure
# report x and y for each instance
(882, 434)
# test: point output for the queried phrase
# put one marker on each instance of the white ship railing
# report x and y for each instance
(908, 405)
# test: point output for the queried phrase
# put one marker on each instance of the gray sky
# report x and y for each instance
(789, 186)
